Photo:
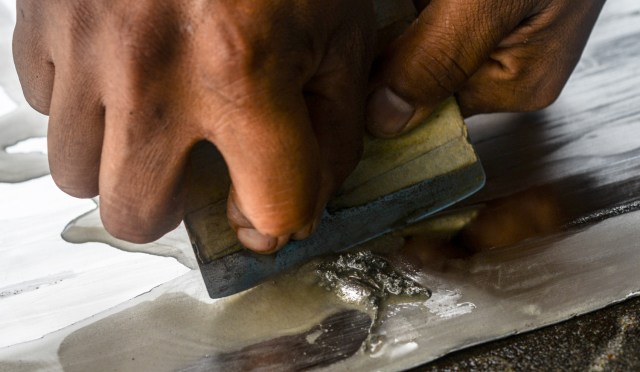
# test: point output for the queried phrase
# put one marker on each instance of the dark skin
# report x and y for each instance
(493, 55)
(282, 88)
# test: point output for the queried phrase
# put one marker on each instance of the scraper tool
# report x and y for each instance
(397, 182)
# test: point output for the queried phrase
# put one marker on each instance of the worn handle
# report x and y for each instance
(388, 165)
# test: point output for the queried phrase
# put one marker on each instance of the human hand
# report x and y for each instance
(279, 87)
(494, 55)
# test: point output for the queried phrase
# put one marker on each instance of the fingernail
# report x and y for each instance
(255, 241)
(388, 113)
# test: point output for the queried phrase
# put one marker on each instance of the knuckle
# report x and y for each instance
(240, 60)
(82, 18)
(82, 190)
(150, 40)
(136, 225)
(38, 100)
(241, 51)
(36, 79)
(248, 56)
(233, 39)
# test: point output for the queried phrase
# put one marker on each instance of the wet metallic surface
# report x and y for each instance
(562, 197)
(335, 338)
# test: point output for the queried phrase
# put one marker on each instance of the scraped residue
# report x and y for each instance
(32, 285)
(444, 303)
(364, 279)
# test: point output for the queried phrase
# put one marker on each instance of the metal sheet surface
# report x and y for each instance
(560, 204)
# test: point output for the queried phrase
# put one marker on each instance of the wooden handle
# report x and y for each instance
(435, 148)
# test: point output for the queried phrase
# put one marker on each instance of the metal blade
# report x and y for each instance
(342, 230)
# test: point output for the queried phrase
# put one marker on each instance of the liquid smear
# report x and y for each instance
(18, 121)
(367, 280)
(17, 125)
(89, 228)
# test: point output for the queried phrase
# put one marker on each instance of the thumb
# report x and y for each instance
(434, 57)
(272, 157)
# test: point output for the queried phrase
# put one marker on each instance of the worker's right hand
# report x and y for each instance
(494, 55)
(130, 86)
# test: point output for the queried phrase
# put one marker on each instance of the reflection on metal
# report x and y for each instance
(553, 234)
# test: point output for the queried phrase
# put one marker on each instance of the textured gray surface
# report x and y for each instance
(605, 340)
